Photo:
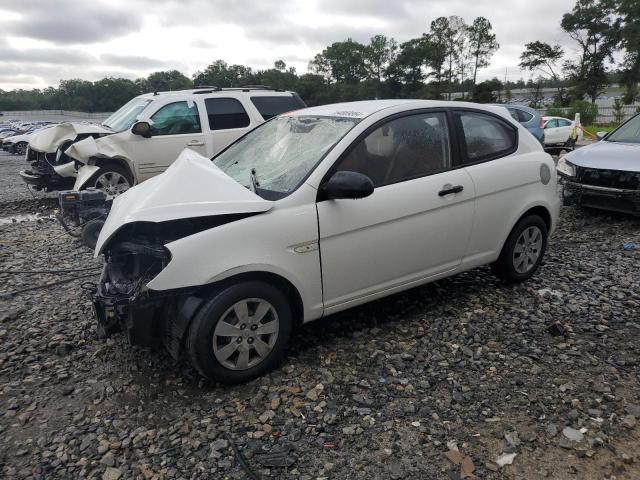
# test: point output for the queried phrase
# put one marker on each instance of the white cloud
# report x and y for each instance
(44, 40)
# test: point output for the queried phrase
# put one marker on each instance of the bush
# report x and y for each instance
(555, 112)
(588, 111)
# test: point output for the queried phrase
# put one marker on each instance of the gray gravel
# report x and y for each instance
(541, 380)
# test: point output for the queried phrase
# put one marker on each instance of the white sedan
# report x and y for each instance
(314, 212)
(558, 131)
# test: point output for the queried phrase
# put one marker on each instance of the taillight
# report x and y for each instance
(542, 123)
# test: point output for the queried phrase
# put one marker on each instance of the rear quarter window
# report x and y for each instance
(271, 106)
(486, 137)
(524, 117)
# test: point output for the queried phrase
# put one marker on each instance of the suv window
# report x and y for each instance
(514, 114)
(402, 149)
(226, 113)
(486, 136)
(175, 119)
(564, 123)
(272, 106)
(524, 117)
(553, 123)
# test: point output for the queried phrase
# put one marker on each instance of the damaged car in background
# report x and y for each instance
(219, 260)
(146, 135)
(605, 174)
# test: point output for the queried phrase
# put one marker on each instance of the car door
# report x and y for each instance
(174, 127)
(551, 134)
(415, 225)
(564, 130)
(228, 120)
(488, 147)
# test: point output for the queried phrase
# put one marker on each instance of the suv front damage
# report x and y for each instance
(50, 168)
(136, 242)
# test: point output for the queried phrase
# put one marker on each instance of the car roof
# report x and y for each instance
(365, 108)
(263, 91)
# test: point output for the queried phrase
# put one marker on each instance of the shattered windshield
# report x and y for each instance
(627, 133)
(127, 115)
(282, 152)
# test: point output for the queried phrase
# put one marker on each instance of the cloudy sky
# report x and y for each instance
(44, 41)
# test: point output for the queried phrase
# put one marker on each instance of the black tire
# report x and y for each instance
(200, 335)
(504, 267)
(106, 169)
(20, 148)
(90, 233)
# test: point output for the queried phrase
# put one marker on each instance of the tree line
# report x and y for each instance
(443, 60)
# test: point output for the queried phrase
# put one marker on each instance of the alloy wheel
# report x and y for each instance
(112, 183)
(246, 334)
(527, 249)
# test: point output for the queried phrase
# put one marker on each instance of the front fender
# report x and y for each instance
(83, 175)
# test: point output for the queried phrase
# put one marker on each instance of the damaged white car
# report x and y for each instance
(314, 212)
(605, 174)
(146, 135)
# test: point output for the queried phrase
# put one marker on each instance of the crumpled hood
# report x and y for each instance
(191, 187)
(95, 147)
(607, 155)
(49, 139)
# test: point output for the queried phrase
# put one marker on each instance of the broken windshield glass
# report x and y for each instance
(282, 151)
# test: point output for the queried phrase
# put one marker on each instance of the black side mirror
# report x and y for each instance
(347, 185)
(141, 128)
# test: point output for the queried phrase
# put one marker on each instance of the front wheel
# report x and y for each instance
(523, 250)
(240, 333)
(21, 148)
(111, 179)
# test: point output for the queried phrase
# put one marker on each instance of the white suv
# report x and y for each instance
(314, 212)
(146, 135)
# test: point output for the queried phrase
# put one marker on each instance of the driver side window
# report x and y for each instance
(402, 149)
(176, 118)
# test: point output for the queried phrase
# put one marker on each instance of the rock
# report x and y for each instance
(219, 444)
(552, 430)
(108, 459)
(629, 421)
(315, 392)
(573, 434)
(350, 430)
(111, 474)
(505, 459)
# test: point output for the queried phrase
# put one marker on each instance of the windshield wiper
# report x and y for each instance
(254, 181)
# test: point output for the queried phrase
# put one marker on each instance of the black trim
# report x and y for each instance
(463, 158)
(453, 147)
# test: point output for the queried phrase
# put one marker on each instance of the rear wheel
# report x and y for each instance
(112, 179)
(523, 250)
(240, 333)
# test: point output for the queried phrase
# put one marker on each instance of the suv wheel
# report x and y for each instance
(21, 148)
(240, 333)
(112, 179)
(523, 250)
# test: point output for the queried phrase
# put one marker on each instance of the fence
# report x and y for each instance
(606, 115)
(53, 115)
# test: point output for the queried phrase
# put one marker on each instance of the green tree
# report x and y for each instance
(448, 35)
(378, 55)
(629, 10)
(594, 27)
(165, 81)
(482, 44)
(220, 74)
(544, 57)
(343, 62)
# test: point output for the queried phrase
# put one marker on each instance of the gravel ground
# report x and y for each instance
(459, 377)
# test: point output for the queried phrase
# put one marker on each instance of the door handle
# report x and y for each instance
(448, 189)
(195, 143)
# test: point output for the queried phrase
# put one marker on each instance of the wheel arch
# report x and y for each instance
(103, 162)
(178, 322)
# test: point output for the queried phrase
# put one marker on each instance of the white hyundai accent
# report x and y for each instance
(314, 212)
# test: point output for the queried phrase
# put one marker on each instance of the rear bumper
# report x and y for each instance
(605, 198)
